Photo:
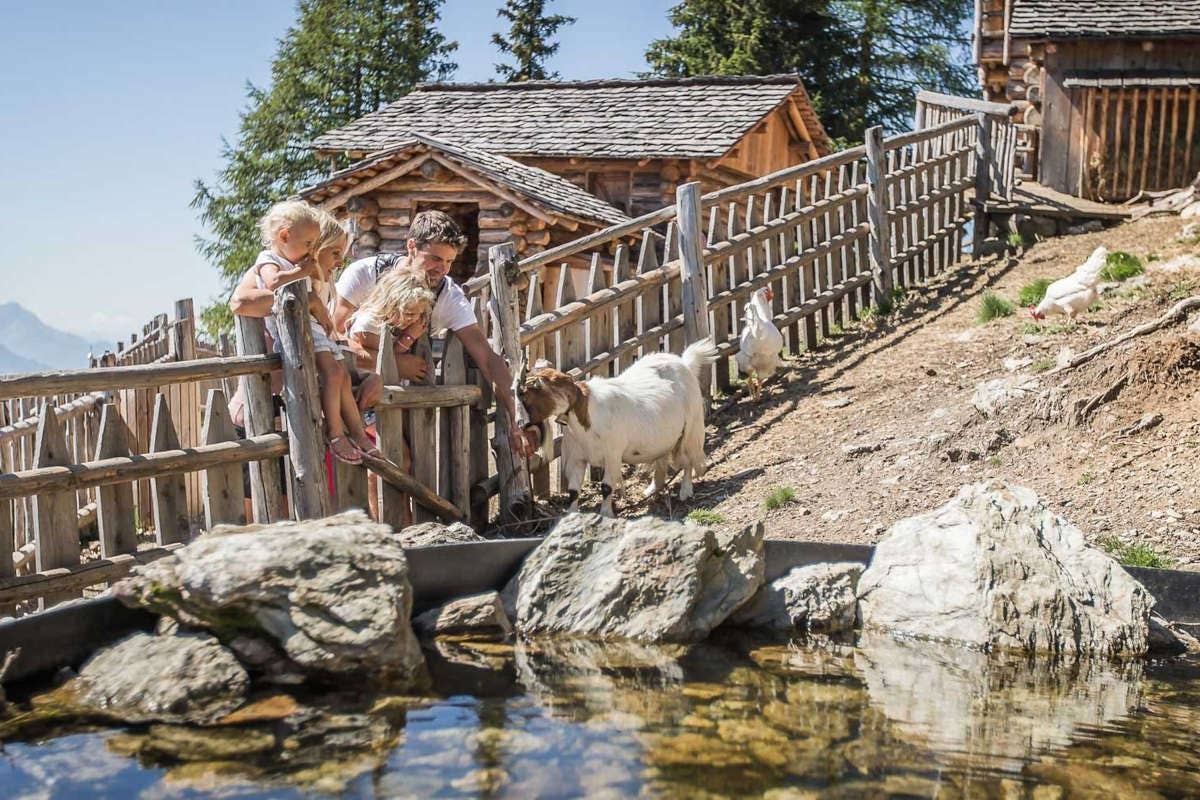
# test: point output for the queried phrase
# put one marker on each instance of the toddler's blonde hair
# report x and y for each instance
(397, 289)
(332, 230)
(286, 214)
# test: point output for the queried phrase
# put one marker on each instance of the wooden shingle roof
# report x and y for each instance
(660, 118)
(552, 195)
(1061, 19)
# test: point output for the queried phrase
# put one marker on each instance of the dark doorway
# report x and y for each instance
(467, 217)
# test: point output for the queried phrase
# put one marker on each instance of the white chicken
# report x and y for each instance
(1076, 292)
(758, 354)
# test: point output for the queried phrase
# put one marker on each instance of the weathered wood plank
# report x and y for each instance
(515, 499)
(389, 436)
(266, 497)
(223, 502)
(56, 532)
(456, 447)
(71, 580)
(694, 294)
(114, 503)
(306, 441)
(171, 522)
(137, 376)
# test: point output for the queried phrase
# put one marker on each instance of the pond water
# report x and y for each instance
(738, 716)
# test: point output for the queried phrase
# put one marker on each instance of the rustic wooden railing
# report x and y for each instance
(1003, 133)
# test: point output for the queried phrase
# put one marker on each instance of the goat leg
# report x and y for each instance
(611, 482)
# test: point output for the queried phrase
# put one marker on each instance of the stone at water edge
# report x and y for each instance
(333, 594)
(645, 579)
(183, 678)
(815, 597)
(478, 614)
(996, 568)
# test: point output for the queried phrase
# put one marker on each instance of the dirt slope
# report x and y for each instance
(910, 381)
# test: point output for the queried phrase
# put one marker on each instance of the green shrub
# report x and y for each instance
(780, 497)
(1032, 293)
(705, 517)
(1121, 266)
(992, 306)
(1016, 240)
(1135, 555)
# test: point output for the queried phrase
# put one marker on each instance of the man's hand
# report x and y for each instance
(520, 443)
(411, 367)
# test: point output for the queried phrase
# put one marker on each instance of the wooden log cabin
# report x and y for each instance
(1108, 90)
(544, 162)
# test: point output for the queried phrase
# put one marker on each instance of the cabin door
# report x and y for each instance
(467, 217)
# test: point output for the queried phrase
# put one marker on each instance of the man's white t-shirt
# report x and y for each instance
(452, 311)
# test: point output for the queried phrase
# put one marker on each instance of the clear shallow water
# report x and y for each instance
(734, 717)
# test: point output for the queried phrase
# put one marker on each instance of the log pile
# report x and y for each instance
(1185, 202)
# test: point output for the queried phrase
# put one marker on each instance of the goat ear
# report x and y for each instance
(579, 406)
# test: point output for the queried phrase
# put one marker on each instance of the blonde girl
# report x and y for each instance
(301, 238)
(400, 301)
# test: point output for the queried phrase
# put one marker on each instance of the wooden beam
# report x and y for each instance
(422, 494)
(140, 376)
(375, 182)
(517, 201)
(428, 396)
(75, 578)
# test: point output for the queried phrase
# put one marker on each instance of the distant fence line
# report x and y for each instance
(143, 442)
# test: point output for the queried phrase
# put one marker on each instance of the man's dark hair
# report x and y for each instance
(437, 227)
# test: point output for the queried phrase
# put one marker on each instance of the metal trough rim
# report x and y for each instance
(66, 634)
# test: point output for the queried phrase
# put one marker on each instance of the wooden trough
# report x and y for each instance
(67, 634)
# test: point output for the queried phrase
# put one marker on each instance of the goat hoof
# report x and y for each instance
(650, 490)
(685, 493)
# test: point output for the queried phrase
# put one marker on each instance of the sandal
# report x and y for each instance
(369, 449)
(353, 457)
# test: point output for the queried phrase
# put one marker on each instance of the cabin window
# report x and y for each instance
(467, 217)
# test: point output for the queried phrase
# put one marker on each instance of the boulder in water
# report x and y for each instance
(815, 597)
(996, 568)
(645, 579)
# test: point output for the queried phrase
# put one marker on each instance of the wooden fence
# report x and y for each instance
(834, 238)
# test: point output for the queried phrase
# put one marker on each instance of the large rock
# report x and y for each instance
(645, 579)
(992, 396)
(995, 568)
(478, 614)
(815, 597)
(424, 534)
(332, 594)
(144, 678)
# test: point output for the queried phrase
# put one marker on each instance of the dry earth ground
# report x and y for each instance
(877, 424)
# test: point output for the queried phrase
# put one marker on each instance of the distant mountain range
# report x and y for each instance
(29, 345)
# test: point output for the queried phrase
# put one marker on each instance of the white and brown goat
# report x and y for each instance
(652, 413)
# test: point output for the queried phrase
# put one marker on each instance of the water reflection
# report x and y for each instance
(739, 716)
(992, 708)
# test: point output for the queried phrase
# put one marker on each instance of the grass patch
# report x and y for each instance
(995, 461)
(993, 306)
(1016, 240)
(1182, 290)
(1032, 329)
(1032, 293)
(836, 330)
(1062, 327)
(1121, 266)
(1153, 257)
(705, 517)
(1086, 478)
(1135, 555)
(780, 497)
(1042, 365)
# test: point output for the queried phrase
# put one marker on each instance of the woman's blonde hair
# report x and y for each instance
(396, 289)
(286, 214)
(332, 230)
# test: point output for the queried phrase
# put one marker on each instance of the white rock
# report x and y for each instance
(815, 597)
(841, 401)
(1064, 357)
(991, 396)
(996, 568)
(1013, 364)
(835, 515)
(1184, 263)
(644, 579)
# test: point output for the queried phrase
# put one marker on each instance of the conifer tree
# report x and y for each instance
(528, 39)
(861, 60)
(342, 59)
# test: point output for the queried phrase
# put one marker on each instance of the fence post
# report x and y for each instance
(306, 442)
(983, 183)
(692, 275)
(183, 334)
(265, 496)
(515, 501)
(880, 237)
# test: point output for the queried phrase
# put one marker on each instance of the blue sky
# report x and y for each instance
(110, 110)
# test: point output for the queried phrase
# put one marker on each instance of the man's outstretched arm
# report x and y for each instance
(495, 369)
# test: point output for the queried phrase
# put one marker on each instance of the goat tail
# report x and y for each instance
(699, 355)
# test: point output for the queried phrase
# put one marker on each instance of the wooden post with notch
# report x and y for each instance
(266, 499)
(222, 485)
(421, 426)
(389, 432)
(169, 492)
(114, 504)
(880, 237)
(55, 523)
(983, 183)
(306, 441)
(515, 500)
(692, 274)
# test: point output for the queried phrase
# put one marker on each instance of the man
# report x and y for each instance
(434, 241)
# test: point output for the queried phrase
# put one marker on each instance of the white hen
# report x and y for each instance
(758, 354)
(1076, 292)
